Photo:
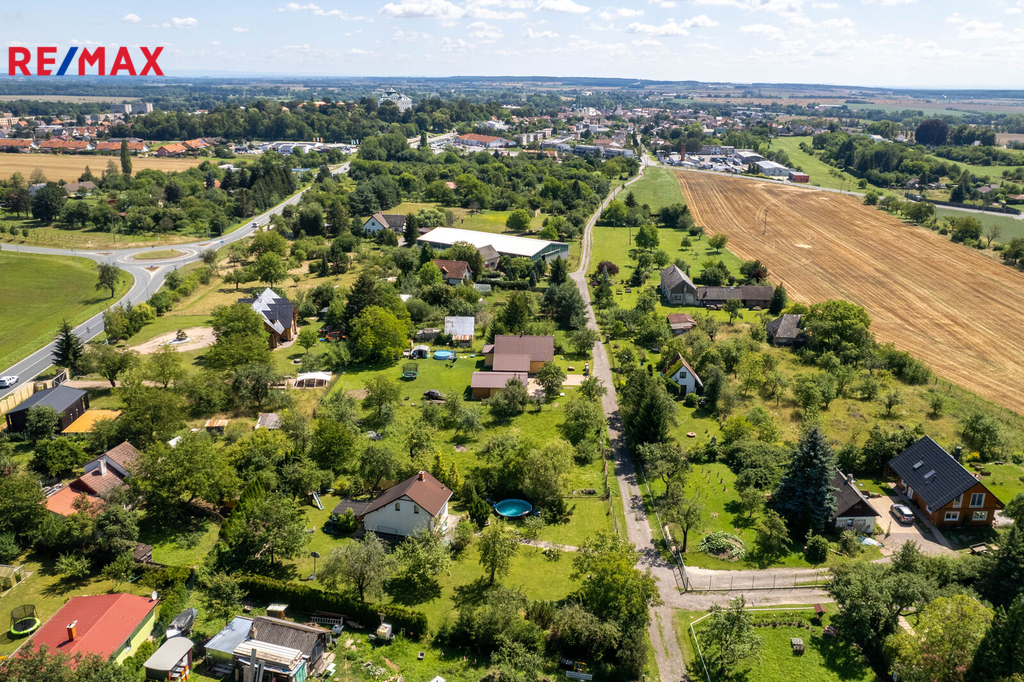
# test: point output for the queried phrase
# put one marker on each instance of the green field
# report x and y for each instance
(821, 174)
(1009, 227)
(37, 292)
(657, 188)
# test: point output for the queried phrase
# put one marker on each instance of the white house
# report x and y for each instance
(382, 221)
(683, 375)
(400, 100)
(416, 503)
(119, 459)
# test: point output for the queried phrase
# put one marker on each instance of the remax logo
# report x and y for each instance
(19, 60)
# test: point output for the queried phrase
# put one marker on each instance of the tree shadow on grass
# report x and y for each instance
(409, 592)
(472, 593)
(841, 658)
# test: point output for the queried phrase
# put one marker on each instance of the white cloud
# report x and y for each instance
(187, 22)
(356, 51)
(888, 2)
(75, 41)
(563, 6)
(771, 6)
(646, 42)
(240, 29)
(131, 18)
(617, 12)
(956, 18)
(767, 30)
(296, 7)
(843, 25)
(484, 31)
(540, 34)
(455, 45)
(825, 5)
(433, 9)
(700, 21)
(978, 30)
(669, 28)
(1014, 10)
(666, 4)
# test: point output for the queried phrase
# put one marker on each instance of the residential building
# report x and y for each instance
(682, 375)
(454, 271)
(941, 488)
(400, 100)
(486, 141)
(440, 238)
(19, 144)
(112, 626)
(120, 108)
(285, 650)
(488, 384)
(73, 188)
(519, 353)
(112, 146)
(680, 323)
(279, 316)
(750, 295)
(676, 286)
(59, 145)
(382, 221)
(70, 404)
(785, 330)
(419, 502)
(853, 511)
(490, 256)
(176, 149)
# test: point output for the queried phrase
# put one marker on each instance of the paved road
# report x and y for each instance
(148, 275)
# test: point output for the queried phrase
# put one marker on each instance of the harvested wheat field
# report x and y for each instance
(68, 167)
(951, 307)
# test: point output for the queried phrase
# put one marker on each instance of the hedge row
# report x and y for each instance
(311, 599)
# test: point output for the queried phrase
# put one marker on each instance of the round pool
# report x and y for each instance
(443, 355)
(513, 508)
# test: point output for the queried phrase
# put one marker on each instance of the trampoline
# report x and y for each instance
(443, 355)
(410, 370)
(24, 621)
(513, 509)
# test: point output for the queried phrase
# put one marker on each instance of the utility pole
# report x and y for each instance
(765, 221)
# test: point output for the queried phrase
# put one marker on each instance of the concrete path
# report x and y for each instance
(667, 654)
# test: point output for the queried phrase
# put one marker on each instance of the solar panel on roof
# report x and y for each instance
(919, 464)
(930, 474)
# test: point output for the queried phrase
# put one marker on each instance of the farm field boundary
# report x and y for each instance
(953, 308)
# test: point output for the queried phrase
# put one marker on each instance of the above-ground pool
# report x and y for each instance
(443, 355)
(513, 508)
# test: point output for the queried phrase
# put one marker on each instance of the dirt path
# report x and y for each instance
(199, 337)
(951, 307)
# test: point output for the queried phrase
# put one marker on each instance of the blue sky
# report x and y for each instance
(925, 43)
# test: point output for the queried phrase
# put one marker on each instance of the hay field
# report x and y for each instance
(68, 167)
(952, 307)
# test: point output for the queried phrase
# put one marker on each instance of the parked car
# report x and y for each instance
(902, 513)
(433, 394)
(8, 381)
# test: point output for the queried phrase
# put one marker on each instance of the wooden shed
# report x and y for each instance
(70, 404)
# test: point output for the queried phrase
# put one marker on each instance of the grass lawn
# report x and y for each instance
(657, 188)
(1009, 227)
(590, 517)
(821, 174)
(157, 255)
(824, 658)
(482, 221)
(52, 289)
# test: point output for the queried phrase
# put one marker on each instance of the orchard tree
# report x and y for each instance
(165, 366)
(772, 535)
(382, 394)
(729, 636)
(270, 268)
(551, 377)
(718, 241)
(364, 566)
(498, 545)
(518, 220)
(950, 629)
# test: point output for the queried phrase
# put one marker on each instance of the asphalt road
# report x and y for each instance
(148, 275)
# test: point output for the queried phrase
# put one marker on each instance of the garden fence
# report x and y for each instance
(728, 581)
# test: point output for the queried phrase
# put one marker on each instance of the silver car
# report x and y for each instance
(8, 381)
(902, 513)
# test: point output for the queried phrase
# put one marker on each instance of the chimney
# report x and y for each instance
(420, 477)
(72, 631)
(103, 466)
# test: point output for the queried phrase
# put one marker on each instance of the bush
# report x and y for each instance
(721, 542)
(816, 551)
(849, 544)
(311, 599)
(691, 400)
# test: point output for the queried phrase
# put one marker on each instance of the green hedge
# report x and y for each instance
(311, 599)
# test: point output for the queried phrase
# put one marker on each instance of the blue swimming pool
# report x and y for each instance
(513, 508)
(443, 355)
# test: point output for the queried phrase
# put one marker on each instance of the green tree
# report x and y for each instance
(21, 505)
(68, 350)
(429, 275)
(648, 413)
(241, 338)
(364, 565)
(518, 220)
(42, 422)
(377, 335)
(892, 400)
(687, 512)
(424, 556)
(583, 418)
(48, 202)
(510, 401)
(839, 327)
(611, 587)
(71, 566)
(718, 241)
(252, 383)
(56, 458)
(221, 594)
(583, 340)
(779, 300)
(805, 496)
(270, 268)
(111, 363)
(733, 306)
(729, 636)
(273, 528)
(559, 273)
(950, 631)
(498, 545)
(616, 213)
(381, 394)
(126, 159)
(551, 377)
(193, 470)
(307, 338)
(165, 366)
(647, 237)
(120, 570)
(378, 462)
(772, 535)
(999, 655)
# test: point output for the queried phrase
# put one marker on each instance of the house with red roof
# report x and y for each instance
(416, 503)
(102, 475)
(112, 626)
(176, 149)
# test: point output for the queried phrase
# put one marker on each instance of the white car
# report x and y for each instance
(8, 381)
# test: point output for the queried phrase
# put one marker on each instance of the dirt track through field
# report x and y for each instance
(957, 310)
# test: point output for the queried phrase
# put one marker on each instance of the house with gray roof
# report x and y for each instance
(676, 286)
(785, 330)
(853, 511)
(279, 316)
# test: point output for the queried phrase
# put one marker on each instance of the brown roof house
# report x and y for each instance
(455, 271)
(488, 384)
(680, 323)
(682, 375)
(416, 503)
(676, 287)
(380, 221)
(853, 511)
(941, 488)
(102, 475)
(785, 330)
(519, 353)
(279, 316)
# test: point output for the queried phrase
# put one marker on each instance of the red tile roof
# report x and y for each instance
(176, 148)
(15, 142)
(423, 489)
(124, 454)
(96, 483)
(452, 269)
(62, 502)
(105, 623)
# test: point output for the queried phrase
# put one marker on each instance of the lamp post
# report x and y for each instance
(315, 555)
